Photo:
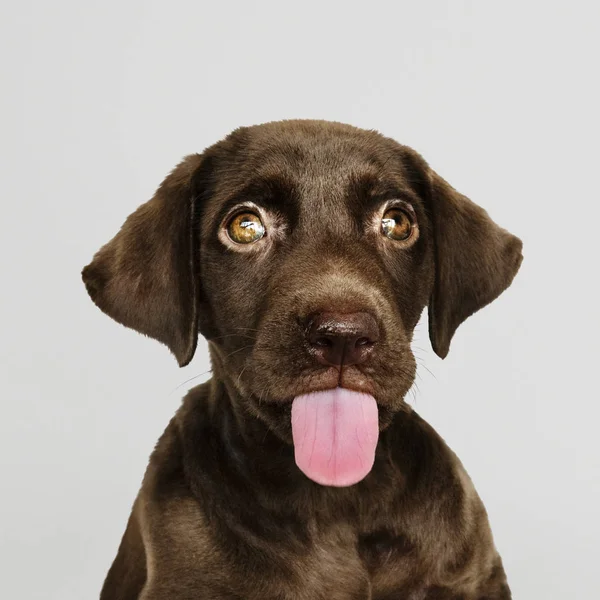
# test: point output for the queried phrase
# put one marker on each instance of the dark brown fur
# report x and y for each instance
(224, 513)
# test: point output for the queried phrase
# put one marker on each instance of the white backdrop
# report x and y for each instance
(100, 100)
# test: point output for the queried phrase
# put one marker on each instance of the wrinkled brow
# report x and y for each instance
(274, 192)
(369, 190)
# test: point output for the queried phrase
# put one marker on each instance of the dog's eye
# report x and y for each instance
(245, 228)
(397, 224)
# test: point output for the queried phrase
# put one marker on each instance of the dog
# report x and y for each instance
(304, 252)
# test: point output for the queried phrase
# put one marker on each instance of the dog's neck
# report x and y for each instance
(253, 449)
(228, 399)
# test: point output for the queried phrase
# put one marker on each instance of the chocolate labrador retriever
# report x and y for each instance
(305, 253)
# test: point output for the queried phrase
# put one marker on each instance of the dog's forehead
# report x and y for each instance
(308, 165)
(313, 149)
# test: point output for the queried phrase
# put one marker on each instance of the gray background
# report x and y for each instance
(100, 100)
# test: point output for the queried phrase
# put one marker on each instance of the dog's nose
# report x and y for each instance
(347, 339)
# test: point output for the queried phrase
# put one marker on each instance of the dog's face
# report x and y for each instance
(313, 222)
(305, 251)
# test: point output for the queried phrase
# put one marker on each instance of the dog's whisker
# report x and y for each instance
(422, 364)
(415, 386)
(419, 348)
(240, 375)
(220, 337)
(428, 370)
(191, 379)
(238, 350)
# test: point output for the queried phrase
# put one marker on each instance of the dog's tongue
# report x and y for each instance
(335, 434)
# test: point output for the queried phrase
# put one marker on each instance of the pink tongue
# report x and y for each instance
(335, 434)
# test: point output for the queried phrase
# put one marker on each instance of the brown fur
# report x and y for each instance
(224, 513)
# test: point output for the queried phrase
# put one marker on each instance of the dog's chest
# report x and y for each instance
(316, 562)
(392, 563)
(332, 568)
(341, 565)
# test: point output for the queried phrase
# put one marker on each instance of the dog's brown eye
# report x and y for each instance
(245, 228)
(397, 224)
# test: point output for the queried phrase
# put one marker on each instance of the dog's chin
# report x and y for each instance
(275, 411)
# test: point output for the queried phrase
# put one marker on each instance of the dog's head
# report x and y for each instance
(305, 252)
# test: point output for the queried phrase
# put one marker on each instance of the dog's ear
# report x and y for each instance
(146, 276)
(475, 261)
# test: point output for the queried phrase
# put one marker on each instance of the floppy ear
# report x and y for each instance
(145, 277)
(475, 261)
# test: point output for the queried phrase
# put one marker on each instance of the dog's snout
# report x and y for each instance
(342, 339)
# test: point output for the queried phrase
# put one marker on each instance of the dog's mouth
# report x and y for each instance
(333, 416)
(335, 434)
